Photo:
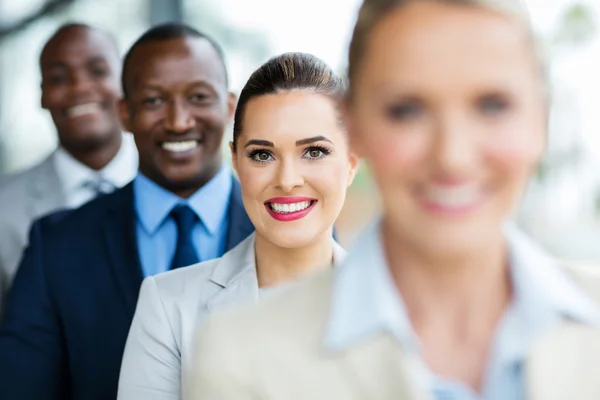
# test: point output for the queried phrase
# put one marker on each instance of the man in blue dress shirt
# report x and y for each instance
(68, 314)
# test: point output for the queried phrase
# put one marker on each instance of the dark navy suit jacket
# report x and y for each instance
(66, 319)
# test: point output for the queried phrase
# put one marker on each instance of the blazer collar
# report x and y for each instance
(235, 262)
(236, 273)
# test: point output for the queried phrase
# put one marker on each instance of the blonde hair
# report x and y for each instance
(372, 11)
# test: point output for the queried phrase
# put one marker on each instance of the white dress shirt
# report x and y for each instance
(81, 184)
(365, 301)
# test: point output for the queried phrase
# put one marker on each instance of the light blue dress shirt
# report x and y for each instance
(157, 232)
(366, 302)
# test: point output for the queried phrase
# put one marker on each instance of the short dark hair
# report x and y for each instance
(169, 31)
(77, 25)
(288, 72)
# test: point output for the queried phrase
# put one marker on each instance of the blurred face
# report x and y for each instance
(449, 112)
(294, 167)
(80, 87)
(177, 108)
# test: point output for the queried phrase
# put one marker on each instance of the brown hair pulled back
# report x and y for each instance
(288, 72)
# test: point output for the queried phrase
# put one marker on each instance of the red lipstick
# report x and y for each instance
(286, 216)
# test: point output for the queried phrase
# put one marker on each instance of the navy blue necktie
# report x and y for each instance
(185, 253)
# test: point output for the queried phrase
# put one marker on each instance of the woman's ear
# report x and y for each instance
(354, 161)
(233, 157)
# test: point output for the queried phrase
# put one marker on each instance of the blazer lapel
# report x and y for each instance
(236, 274)
(565, 364)
(240, 225)
(121, 241)
(45, 193)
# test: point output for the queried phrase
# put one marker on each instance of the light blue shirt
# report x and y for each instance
(366, 302)
(157, 231)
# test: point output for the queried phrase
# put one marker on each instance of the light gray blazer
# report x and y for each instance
(170, 307)
(24, 197)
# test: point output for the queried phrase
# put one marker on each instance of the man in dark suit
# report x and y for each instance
(68, 314)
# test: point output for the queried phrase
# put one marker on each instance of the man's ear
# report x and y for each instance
(231, 104)
(43, 102)
(125, 115)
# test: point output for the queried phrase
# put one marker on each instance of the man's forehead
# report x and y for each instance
(164, 58)
(82, 41)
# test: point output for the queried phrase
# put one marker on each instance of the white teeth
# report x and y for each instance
(83, 109)
(456, 196)
(179, 147)
(289, 208)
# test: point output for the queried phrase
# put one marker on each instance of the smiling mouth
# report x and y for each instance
(458, 198)
(180, 146)
(83, 110)
(290, 208)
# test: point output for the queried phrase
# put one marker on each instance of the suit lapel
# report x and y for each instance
(565, 364)
(240, 225)
(236, 274)
(45, 193)
(121, 241)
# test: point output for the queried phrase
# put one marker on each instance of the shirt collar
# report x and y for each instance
(118, 172)
(365, 301)
(153, 203)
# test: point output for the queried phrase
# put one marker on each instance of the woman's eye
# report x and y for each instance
(316, 153)
(405, 110)
(261, 156)
(492, 104)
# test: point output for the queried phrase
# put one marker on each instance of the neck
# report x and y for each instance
(277, 265)
(98, 157)
(458, 293)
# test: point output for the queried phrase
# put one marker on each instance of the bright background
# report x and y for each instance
(562, 207)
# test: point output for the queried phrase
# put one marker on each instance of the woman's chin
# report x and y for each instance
(290, 238)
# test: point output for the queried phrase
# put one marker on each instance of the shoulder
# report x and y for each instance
(92, 213)
(178, 283)
(13, 187)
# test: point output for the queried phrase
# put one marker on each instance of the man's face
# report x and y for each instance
(177, 108)
(80, 87)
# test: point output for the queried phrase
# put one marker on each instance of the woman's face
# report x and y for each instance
(449, 112)
(294, 166)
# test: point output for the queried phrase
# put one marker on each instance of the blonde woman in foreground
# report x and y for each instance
(291, 154)
(442, 298)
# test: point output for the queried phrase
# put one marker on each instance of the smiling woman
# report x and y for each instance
(294, 164)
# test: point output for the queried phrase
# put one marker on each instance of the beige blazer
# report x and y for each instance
(274, 351)
(171, 305)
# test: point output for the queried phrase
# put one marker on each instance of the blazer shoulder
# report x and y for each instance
(93, 212)
(174, 283)
(13, 188)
